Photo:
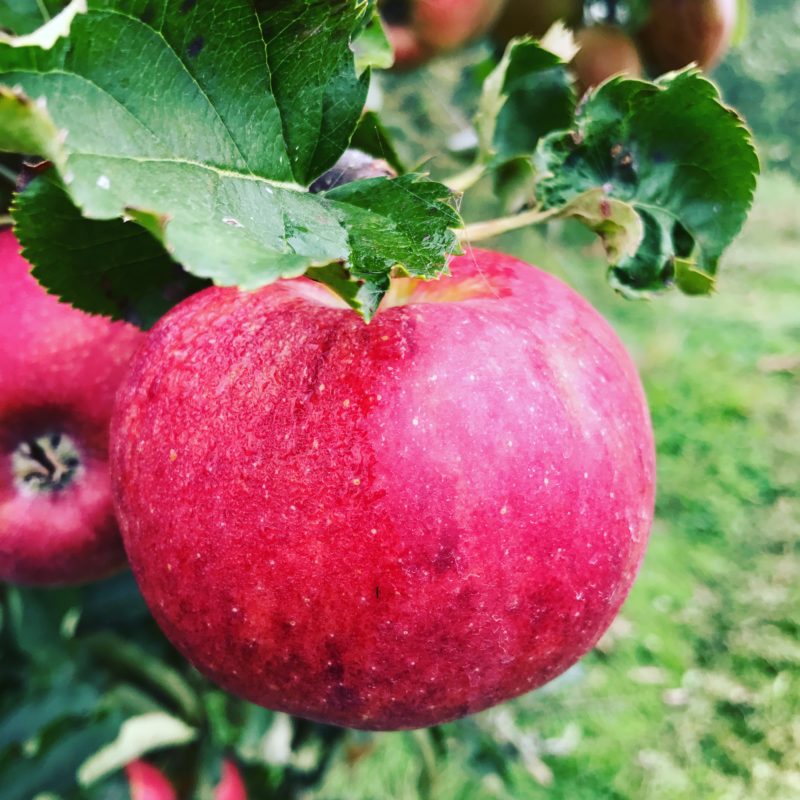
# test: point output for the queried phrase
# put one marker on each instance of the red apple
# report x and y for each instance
(678, 32)
(148, 783)
(605, 50)
(231, 786)
(59, 371)
(389, 525)
(421, 29)
(535, 17)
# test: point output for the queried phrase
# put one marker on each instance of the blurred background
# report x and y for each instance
(694, 692)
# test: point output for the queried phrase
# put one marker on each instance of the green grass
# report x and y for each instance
(695, 691)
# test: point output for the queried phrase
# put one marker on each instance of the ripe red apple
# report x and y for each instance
(678, 32)
(535, 17)
(59, 371)
(605, 50)
(388, 525)
(421, 29)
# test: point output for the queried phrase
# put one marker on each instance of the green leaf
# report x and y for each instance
(128, 659)
(213, 153)
(137, 736)
(37, 622)
(371, 46)
(407, 217)
(24, 16)
(106, 267)
(617, 223)
(372, 137)
(677, 156)
(528, 95)
(54, 766)
(25, 126)
(63, 699)
(115, 602)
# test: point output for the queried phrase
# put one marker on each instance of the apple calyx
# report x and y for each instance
(46, 463)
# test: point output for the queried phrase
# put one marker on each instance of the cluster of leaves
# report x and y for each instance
(90, 684)
(206, 164)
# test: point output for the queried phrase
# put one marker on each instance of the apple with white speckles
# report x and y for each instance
(59, 371)
(389, 525)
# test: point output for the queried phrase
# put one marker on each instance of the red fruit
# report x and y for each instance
(148, 783)
(59, 371)
(387, 525)
(231, 786)
(604, 51)
(420, 29)
(535, 17)
(681, 31)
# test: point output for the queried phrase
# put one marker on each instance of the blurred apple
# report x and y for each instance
(422, 29)
(679, 32)
(534, 17)
(605, 50)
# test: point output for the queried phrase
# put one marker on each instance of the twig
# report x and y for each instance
(479, 231)
(462, 181)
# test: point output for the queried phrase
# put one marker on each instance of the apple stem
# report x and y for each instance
(46, 463)
(5, 219)
(479, 231)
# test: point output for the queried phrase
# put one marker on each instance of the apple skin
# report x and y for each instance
(231, 786)
(146, 782)
(534, 17)
(422, 29)
(678, 32)
(605, 50)
(391, 525)
(59, 372)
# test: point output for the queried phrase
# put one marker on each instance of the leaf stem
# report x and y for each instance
(128, 658)
(8, 174)
(43, 10)
(479, 231)
(462, 181)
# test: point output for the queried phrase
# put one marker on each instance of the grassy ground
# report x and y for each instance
(695, 691)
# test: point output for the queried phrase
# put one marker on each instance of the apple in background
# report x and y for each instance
(59, 371)
(231, 786)
(390, 525)
(535, 17)
(146, 782)
(605, 50)
(681, 31)
(422, 29)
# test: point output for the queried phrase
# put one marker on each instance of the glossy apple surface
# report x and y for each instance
(59, 371)
(389, 525)
(421, 29)
(681, 31)
(604, 51)
(535, 17)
